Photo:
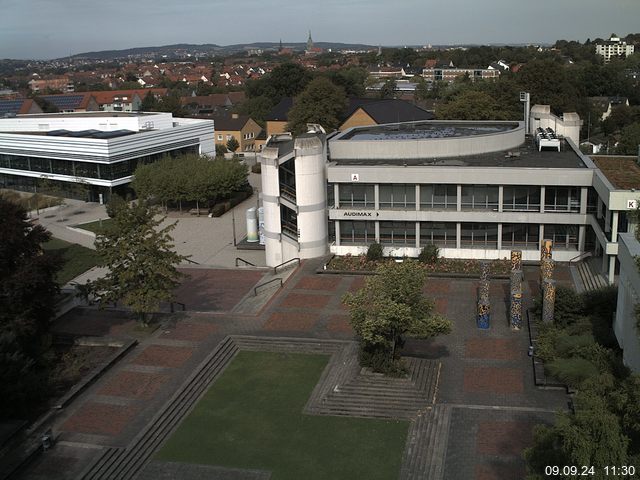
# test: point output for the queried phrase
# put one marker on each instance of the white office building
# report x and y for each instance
(98, 149)
(474, 189)
(614, 47)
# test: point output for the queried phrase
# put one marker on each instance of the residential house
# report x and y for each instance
(364, 112)
(125, 100)
(277, 118)
(241, 127)
(212, 104)
(607, 104)
(62, 84)
(73, 102)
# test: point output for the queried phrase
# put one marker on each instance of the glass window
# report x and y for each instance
(40, 165)
(62, 167)
(352, 195)
(398, 233)
(564, 237)
(20, 163)
(357, 233)
(521, 198)
(399, 195)
(441, 234)
(562, 199)
(482, 235)
(521, 235)
(438, 197)
(86, 169)
(479, 197)
(289, 222)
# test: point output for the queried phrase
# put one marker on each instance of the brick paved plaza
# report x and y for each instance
(485, 380)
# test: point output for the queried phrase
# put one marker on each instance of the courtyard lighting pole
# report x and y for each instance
(233, 225)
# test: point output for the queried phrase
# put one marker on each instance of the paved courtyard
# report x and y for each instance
(485, 385)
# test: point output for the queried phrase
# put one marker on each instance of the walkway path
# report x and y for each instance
(485, 402)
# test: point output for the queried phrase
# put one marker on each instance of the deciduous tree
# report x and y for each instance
(321, 102)
(140, 259)
(390, 307)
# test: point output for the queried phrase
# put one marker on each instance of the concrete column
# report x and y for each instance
(377, 231)
(541, 236)
(614, 227)
(500, 231)
(417, 234)
(612, 269)
(584, 192)
(458, 235)
(500, 200)
(581, 237)
(376, 195)
(542, 191)
(459, 200)
(337, 226)
(336, 195)
(417, 198)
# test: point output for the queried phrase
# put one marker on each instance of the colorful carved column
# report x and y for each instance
(516, 311)
(547, 266)
(516, 260)
(546, 248)
(485, 268)
(515, 298)
(548, 300)
(483, 315)
(484, 307)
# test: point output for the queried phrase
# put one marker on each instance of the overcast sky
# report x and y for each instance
(55, 28)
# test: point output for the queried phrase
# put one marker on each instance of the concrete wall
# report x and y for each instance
(628, 297)
(397, 149)
(568, 126)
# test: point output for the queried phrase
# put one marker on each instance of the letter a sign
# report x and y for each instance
(355, 177)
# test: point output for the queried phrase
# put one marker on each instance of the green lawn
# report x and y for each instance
(252, 418)
(95, 227)
(76, 258)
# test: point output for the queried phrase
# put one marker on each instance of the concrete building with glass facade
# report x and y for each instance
(474, 189)
(96, 150)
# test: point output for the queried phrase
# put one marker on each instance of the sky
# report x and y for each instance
(44, 29)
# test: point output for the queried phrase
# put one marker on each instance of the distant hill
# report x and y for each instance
(180, 49)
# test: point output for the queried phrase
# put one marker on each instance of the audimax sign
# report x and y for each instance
(360, 213)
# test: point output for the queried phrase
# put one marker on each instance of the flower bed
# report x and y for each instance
(359, 263)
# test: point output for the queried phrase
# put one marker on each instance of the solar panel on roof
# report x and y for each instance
(66, 102)
(59, 133)
(113, 134)
(84, 133)
(10, 106)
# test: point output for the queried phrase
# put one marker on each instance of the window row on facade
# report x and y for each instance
(76, 168)
(444, 234)
(472, 197)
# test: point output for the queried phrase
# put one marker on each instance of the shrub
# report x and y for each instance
(218, 210)
(568, 345)
(429, 254)
(257, 168)
(115, 203)
(572, 371)
(375, 252)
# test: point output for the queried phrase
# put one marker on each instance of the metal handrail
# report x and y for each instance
(255, 290)
(191, 261)
(582, 256)
(238, 259)
(275, 269)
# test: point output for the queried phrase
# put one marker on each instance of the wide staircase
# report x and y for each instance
(587, 271)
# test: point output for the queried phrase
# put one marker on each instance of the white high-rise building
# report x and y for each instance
(614, 47)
